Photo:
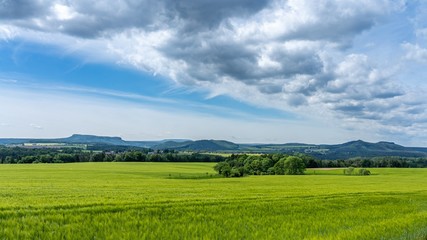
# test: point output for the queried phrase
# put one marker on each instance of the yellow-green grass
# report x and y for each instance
(183, 201)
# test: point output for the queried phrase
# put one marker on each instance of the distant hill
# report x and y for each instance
(76, 138)
(200, 145)
(88, 139)
(85, 139)
(365, 149)
(347, 150)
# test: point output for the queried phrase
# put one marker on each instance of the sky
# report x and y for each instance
(247, 71)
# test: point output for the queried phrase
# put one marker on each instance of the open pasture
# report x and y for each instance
(186, 201)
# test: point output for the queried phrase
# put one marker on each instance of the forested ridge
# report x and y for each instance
(253, 163)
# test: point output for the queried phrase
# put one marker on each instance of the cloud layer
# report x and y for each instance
(294, 55)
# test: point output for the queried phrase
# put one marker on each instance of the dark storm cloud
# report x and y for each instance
(214, 59)
(90, 18)
(336, 21)
(296, 100)
(339, 31)
(388, 94)
(94, 18)
(217, 59)
(354, 109)
(270, 89)
(20, 9)
(294, 63)
(208, 14)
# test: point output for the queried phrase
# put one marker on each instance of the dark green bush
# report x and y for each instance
(364, 172)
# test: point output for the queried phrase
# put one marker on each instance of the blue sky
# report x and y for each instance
(242, 70)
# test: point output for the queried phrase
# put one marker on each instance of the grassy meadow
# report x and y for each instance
(187, 201)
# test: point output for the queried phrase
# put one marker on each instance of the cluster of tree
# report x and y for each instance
(269, 164)
(361, 171)
(25, 155)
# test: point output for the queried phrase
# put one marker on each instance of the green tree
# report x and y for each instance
(256, 167)
(266, 163)
(27, 159)
(349, 171)
(64, 158)
(294, 166)
(279, 167)
(366, 163)
(97, 157)
(223, 168)
(364, 172)
(236, 172)
(46, 158)
(9, 159)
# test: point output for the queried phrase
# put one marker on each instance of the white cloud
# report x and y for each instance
(421, 33)
(291, 55)
(415, 52)
(35, 126)
(8, 81)
(6, 32)
(63, 12)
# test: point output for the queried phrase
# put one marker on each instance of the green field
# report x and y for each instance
(187, 201)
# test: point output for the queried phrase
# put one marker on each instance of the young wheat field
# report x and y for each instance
(188, 201)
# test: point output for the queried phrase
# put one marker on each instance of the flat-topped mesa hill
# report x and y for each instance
(75, 138)
(78, 138)
(346, 150)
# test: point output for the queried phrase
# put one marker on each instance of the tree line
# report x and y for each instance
(262, 164)
(26, 155)
(374, 162)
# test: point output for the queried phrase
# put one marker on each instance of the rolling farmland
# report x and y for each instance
(187, 200)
